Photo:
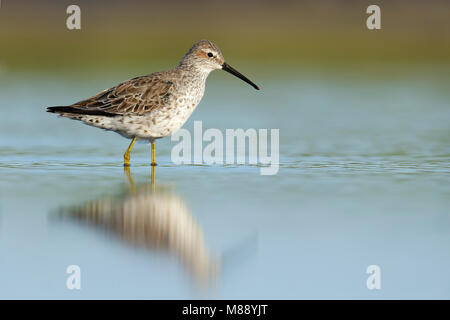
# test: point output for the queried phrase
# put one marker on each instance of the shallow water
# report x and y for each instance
(363, 180)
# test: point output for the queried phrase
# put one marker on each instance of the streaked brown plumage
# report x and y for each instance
(136, 96)
(155, 105)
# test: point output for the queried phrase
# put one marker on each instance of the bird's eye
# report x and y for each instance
(210, 54)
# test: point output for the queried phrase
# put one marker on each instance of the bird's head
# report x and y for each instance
(206, 56)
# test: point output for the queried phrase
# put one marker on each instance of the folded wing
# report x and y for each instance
(136, 96)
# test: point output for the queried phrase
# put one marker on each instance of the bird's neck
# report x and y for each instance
(195, 72)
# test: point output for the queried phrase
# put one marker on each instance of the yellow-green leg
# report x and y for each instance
(126, 156)
(153, 154)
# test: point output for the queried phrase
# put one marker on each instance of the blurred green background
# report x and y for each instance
(144, 35)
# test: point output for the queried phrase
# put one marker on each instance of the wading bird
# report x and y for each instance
(155, 105)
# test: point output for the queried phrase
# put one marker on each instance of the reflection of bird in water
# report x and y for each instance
(152, 218)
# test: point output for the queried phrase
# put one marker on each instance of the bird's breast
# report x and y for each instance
(172, 116)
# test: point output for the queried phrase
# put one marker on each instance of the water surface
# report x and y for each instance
(363, 180)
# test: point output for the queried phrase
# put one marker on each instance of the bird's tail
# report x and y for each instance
(73, 110)
(61, 109)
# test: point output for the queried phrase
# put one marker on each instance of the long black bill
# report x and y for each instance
(226, 67)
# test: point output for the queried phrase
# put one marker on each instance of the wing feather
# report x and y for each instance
(138, 96)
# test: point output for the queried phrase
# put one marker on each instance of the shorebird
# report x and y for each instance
(155, 105)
